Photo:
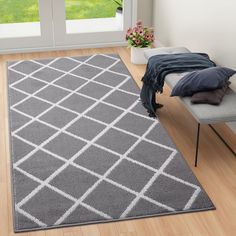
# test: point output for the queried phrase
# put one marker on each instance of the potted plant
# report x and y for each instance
(139, 39)
(119, 8)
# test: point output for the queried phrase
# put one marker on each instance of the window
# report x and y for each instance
(35, 24)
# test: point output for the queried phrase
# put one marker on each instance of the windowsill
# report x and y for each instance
(95, 25)
(32, 29)
(18, 30)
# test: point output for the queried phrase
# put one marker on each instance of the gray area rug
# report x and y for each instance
(84, 150)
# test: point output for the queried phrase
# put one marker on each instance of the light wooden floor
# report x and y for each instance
(216, 171)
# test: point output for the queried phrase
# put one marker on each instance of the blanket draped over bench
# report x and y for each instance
(161, 65)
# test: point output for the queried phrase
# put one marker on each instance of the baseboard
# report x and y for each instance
(59, 48)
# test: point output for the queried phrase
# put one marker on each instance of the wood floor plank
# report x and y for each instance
(216, 171)
(174, 225)
(128, 234)
(52, 232)
(107, 229)
(37, 233)
(142, 227)
(70, 231)
(4, 199)
(90, 230)
(124, 227)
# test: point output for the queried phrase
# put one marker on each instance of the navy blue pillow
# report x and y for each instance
(202, 80)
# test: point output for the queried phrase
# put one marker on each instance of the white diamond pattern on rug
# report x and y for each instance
(52, 94)
(70, 82)
(47, 74)
(134, 124)
(101, 61)
(131, 175)
(117, 141)
(36, 132)
(141, 154)
(77, 103)
(110, 78)
(16, 96)
(38, 105)
(18, 120)
(168, 185)
(64, 64)
(26, 67)
(69, 180)
(41, 165)
(50, 202)
(30, 85)
(64, 145)
(14, 76)
(54, 117)
(84, 150)
(89, 89)
(82, 214)
(24, 186)
(104, 113)
(86, 128)
(21, 149)
(86, 71)
(107, 192)
(121, 99)
(97, 160)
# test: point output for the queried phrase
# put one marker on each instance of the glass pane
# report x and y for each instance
(18, 11)
(89, 9)
(19, 18)
(93, 15)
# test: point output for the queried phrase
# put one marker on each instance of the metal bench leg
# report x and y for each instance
(197, 145)
(222, 139)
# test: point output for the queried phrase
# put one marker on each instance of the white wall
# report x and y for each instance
(145, 11)
(200, 25)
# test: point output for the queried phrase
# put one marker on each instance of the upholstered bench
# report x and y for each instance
(203, 113)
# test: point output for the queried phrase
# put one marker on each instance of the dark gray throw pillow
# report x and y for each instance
(213, 97)
(202, 80)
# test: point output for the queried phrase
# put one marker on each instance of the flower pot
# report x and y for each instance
(137, 55)
(119, 10)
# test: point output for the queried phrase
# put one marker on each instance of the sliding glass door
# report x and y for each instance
(25, 24)
(28, 25)
(79, 22)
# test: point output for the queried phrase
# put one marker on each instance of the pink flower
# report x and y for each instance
(141, 32)
(139, 35)
(129, 31)
(147, 37)
(152, 37)
(139, 23)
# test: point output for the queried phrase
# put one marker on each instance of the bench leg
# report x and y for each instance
(222, 139)
(197, 145)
